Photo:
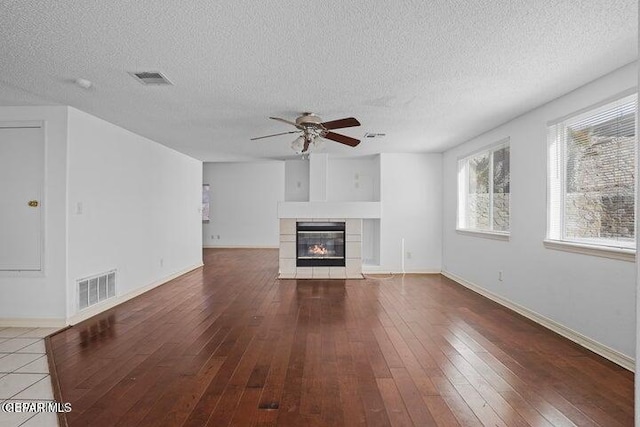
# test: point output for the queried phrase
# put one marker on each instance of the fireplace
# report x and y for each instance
(320, 244)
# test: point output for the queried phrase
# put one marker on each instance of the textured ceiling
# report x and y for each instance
(429, 74)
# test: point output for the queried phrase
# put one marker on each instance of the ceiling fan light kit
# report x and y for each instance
(298, 144)
(311, 127)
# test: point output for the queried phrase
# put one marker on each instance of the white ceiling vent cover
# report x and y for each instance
(152, 78)
(95, 289)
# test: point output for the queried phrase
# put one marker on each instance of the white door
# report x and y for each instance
(21, 190)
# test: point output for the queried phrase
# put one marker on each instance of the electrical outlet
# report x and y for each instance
(500, 275)
(161, 262)
(408, 255)
(218, 237)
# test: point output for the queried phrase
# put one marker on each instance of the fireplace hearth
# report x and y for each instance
(320, 244)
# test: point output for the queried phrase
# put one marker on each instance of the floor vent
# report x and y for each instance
(95, 289)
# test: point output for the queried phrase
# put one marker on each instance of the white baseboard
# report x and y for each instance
(36, 322)
(378, 269)
(112, 302)
(240, 247)
(615, 356)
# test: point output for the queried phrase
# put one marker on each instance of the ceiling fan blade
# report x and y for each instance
(285, 121)
(342, 139)
(275, 134)
(342, 123)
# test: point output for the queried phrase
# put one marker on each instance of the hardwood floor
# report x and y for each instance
(229, 344)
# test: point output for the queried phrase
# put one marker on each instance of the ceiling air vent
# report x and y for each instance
(374, 135)
(151, 78)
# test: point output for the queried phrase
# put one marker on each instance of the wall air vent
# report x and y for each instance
(152, 78)
(374, 135)
(95, 289)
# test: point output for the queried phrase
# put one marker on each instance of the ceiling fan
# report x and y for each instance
(310, 127)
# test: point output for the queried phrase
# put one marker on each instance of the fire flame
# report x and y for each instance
(318, 250)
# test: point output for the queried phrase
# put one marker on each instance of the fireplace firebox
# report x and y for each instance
(320, 244)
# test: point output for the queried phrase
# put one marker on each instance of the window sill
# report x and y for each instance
(601, 251)
(486, 234)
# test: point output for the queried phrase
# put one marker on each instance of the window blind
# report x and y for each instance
(591, 176)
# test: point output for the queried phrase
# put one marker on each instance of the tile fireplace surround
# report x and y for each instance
(353, 249)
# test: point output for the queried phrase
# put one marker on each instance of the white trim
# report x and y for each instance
(637, 269)
(486, 234)
(585, 249)
(119, 299)
(23, 273)
(35, 322)
(378, 269)
(615, 356)
(22, 124)
(319, 209)
(239, 247)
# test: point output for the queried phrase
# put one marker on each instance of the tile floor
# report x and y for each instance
(24, 375)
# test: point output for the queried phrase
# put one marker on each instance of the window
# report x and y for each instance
(591, 182)
(483, 190)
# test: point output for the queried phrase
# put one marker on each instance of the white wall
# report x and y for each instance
(28, 299)
(411, 197)
(134, 206)
(591, 295)
(409, 188)
(296, 184)
(318, 177)
(354, 179)
(371, 243)
(244, 203)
